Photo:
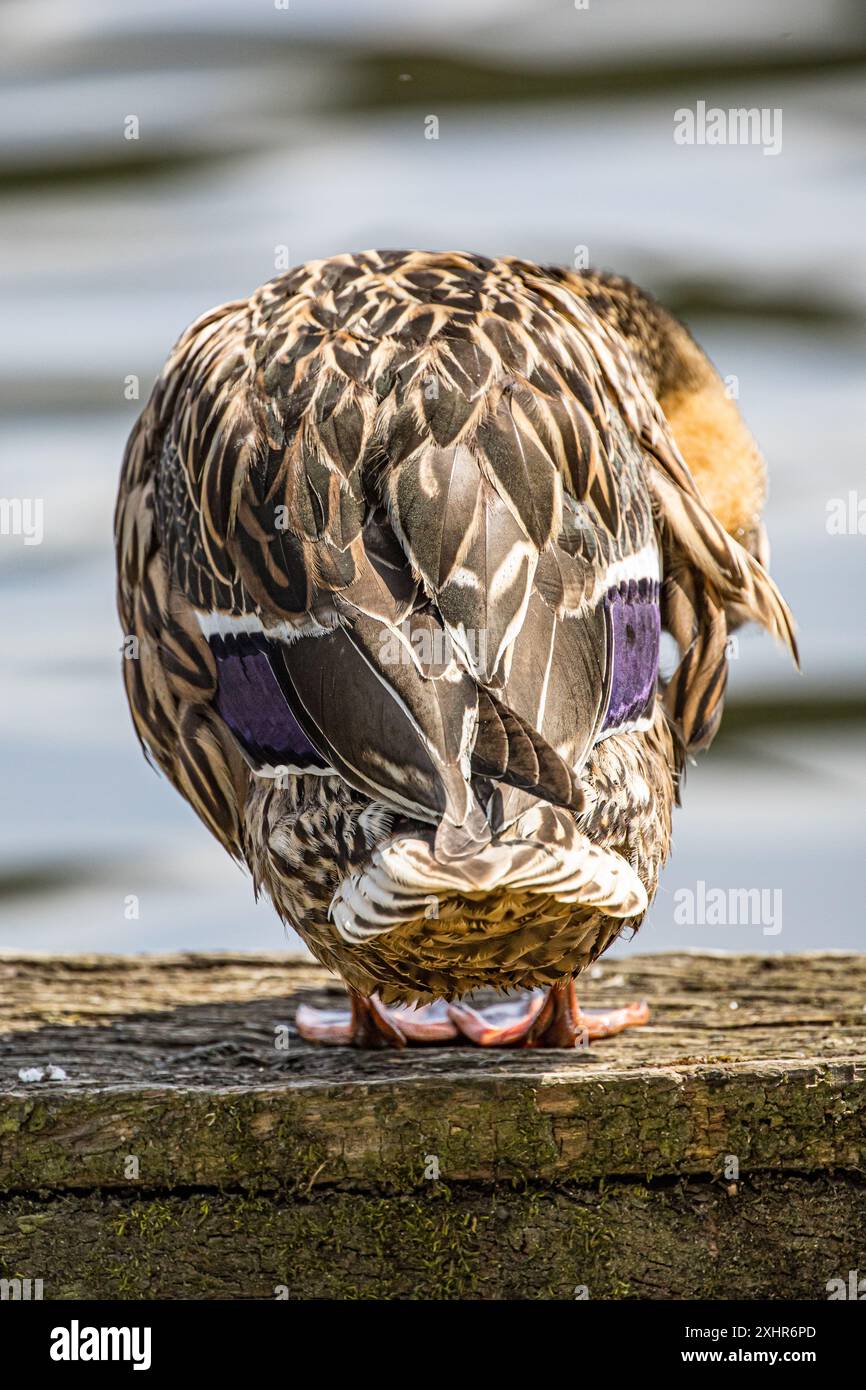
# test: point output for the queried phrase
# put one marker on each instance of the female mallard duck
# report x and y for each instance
(397, 537)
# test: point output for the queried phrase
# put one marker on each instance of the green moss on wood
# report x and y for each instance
(440, 1174)
(777, 1237)
(794, 1116)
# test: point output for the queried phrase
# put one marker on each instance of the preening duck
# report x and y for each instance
(397, 537)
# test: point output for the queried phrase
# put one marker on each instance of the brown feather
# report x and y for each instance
(424, 446)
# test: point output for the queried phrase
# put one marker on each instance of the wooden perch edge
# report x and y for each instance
(197, 1148)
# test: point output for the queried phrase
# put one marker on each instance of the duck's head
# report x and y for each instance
(718, 447)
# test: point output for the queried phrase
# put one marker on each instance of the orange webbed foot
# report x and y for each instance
(372, 1024)
(554, 1019)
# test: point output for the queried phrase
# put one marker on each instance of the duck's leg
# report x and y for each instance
(552, 1020)
(535, 1020)
(371, 1024)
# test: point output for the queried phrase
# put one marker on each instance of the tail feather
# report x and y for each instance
(737, 577)
(711, 582)
(508, 749)
(544, 852)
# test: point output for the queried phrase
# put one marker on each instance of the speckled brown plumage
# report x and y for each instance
(301, 841)
(417, 448)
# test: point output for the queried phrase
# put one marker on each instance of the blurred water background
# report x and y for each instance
(268, 132)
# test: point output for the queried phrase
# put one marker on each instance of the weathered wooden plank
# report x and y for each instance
(541, 1124)
(774, 1238)
(175, 1062)
(187, 1152)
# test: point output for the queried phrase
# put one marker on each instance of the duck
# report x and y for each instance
(398, 540)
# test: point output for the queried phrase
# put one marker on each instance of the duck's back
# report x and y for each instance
(416, 520)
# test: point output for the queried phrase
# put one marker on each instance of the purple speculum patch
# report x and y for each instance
(252, 702)
(636, 632)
